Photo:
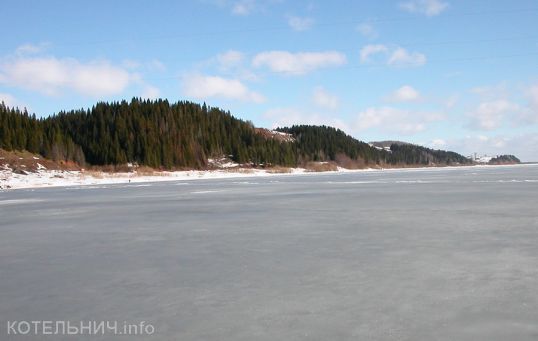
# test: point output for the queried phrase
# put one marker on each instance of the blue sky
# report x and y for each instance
(460, 75)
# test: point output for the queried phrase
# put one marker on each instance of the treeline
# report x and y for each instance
(321, 143)
(504, 159)
(21, 131)
(152, 133)
(413, 154)
(184, 135)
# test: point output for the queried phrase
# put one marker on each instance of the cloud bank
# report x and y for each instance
(298, 63)
(204, 87)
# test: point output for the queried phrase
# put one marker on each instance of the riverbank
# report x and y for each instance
(10, 179)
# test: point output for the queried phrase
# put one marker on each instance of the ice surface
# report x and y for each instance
(334, 256)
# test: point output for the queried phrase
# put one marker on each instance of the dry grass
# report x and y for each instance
(159, 174)
(239, 170)
(321, 166)
(93, 174)
(23, 160)
(145, 171)
(346, 162)
(106, 172)
(279, 170)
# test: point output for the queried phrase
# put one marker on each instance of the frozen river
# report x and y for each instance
(439, 254)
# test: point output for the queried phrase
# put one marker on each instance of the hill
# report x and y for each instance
(322, 143)
(185, 135)
(504, 160)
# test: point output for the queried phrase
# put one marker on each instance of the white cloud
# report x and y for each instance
(367, 30)
(453, 74)
(13, 102)
(203, 87)
(369, 50)
(300, 23)
(402, 57)
(156, 65)
(298, 63)
(429, 8)
(490, 93)
(243, 7)
(395, 120)
(324, 99)
(530, 114)
(490, 115)
(27, 49)
(523, 146)
(438, 143)
(231, 64)
(230, 58)
(285, 117)
(481, 144)
(499, 105)
(452, 101)
(52, 76)
(151, 92)
(395, 56)
(533, 96)
(8, 100)
(405, 93)
(131, 64)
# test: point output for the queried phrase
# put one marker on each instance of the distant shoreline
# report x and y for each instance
(57, 178)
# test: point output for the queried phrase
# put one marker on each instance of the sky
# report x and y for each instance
(447, 74)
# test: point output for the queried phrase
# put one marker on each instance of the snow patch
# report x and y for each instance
(222, 162)
(55, 178)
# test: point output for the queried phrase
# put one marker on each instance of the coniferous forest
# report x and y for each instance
(185, 134)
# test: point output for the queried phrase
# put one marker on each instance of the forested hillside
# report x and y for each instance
(321, 143)
(504, 160)
(152, 133)
(184, 135)
(413, 154)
